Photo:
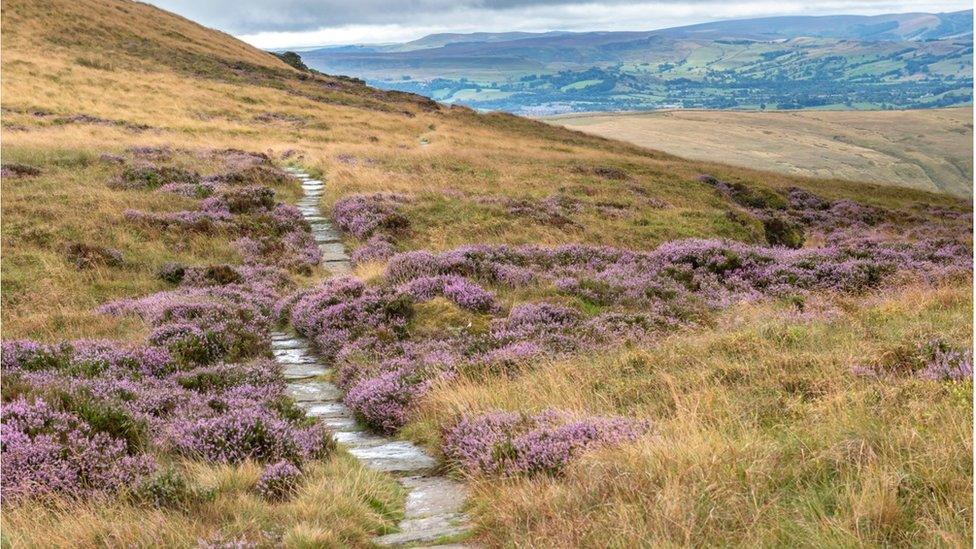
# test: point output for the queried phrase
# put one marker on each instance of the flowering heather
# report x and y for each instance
(504, 443)
(47, 452)
(947, 364)
(254, 433)
(463, 292)
(363, 215)
(382, 402)
(113, 402)
(279, 481)
(194, 390)
(933, 359)
(205, 324)
(86, 358)
(190, 190)
(254, 174)
(553, 210)
(342, 309)
(641, 294)
(379, 247)
(151, 176)
(710, 271)
(240, 200)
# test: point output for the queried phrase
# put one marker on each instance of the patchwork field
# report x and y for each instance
(922, 149)
(607, 345)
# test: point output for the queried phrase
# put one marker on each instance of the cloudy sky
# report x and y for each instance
(305, 23)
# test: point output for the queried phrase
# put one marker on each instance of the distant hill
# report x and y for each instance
(929, 149)
(898, 26)
(915, 60)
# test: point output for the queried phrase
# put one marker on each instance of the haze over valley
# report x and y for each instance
(897, 61)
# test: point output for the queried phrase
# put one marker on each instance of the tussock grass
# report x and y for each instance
(762, 435)
(338, 504)
(45, 296)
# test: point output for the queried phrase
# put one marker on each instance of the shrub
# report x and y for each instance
(150, 176)
(14, 169)
(168, 489)
(782, 232)
(502, 443)
(87, 256)
(46, 452)
(249, 433)
(171, 272)
(279, 481)
(364, 215)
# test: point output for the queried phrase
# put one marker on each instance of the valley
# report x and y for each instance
(907, 61)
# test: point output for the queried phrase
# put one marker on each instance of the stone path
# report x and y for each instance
(433, 508)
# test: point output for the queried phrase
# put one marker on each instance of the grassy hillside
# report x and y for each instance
(925, 149)
(95, 90)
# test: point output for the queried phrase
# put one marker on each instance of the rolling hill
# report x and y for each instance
(852, 62)
(599, 343)
(930, 149)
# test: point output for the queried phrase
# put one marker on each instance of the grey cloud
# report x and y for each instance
(247, 17)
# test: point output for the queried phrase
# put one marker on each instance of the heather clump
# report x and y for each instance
(199, 190)
(462, 291)
(279, 481)
(384, 401)
(241, 200)
(237, 159)
(168, 489)
(340, 311)
(506, 443)
(602, 296)
(171, 272)
(379, 247)
(47, 452)
(555, 210)
(710, 271)
(152, 176)
(249, 433)
(207, 222)
(246, 170)
(206, 324)
(97, 410)
(87, 358)
(269, 232)
(210, 275)
(933, 359)
(364, 215)
(787, 219)
(750, 196)
(16, 169)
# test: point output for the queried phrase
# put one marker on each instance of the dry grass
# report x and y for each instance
(925, 149)
(753, 394)
(761, 436)
(339, 504)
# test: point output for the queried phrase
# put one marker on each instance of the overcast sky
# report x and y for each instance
(304, 23)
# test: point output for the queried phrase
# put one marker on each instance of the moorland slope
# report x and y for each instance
(522, 293)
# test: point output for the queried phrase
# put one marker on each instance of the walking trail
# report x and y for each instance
(433, 508)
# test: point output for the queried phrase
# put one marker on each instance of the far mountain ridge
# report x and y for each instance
(909, 60)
